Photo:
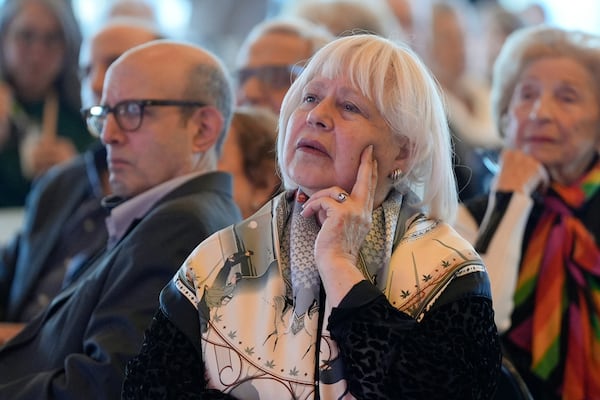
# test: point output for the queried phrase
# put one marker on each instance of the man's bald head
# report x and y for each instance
(178, 70)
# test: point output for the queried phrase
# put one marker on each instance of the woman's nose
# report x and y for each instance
(320, 115)
(542, 108)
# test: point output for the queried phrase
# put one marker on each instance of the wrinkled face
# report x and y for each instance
(34, 51)
(162, 148)
(103, 49)
(272, 49)
(327, 133)
(554, 116)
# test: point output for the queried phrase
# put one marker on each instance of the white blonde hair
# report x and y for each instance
(404, 92)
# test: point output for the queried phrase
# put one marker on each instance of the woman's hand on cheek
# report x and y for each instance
(521, 173)
(345, 222)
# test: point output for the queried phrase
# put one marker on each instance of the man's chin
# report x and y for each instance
(119, 188)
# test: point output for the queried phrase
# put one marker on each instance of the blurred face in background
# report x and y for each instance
(104, 48)
(34, 51)
(267, 67)
(232, 161)
(249, 156)
(554, 116)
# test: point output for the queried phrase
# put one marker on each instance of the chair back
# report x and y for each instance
(510, 384)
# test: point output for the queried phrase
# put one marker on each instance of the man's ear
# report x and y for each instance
(208, 123)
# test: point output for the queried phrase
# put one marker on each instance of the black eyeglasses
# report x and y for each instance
(275, 76)
(128, 113)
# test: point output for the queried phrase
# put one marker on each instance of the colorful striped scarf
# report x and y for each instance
(560, 276)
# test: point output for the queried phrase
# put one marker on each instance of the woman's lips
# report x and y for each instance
(311, 146)
(539, 139)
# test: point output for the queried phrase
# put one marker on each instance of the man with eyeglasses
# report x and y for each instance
(271, 58)
(64, 219)
(164, 113)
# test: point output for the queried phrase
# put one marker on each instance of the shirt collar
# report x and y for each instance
(123, 212)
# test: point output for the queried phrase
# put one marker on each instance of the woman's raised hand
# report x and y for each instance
(520, 172)
(345, 222)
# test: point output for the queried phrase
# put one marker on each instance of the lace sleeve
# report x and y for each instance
(453, 353)
(167, 367)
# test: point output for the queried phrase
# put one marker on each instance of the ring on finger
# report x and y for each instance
(342, 196)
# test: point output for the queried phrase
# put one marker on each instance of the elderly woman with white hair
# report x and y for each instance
(539, 228)
(348, 284)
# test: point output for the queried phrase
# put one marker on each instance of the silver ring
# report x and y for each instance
(342, 196)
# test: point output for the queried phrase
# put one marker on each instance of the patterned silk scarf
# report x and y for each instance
(560, 275)
(304, 274)
(305, 280)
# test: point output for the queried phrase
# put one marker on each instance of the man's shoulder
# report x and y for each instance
(206, 196)
(203, 204)
(198, 211)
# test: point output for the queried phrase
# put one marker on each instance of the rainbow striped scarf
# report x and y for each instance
(560, 272)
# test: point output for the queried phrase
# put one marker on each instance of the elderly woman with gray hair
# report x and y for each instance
(539, 229)
(348, 284)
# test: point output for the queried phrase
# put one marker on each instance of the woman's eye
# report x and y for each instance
(350, 107)
(309, 98)
(567, 96)
(527, 94)
(526, 91)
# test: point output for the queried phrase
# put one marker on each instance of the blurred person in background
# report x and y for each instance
(40, 124)
(272, 56)
(404, 14)
(138, 9)
(222, 26)
(64, 219)
(345, 17)
(538, 229)
(476, 141)
(535, 13)
(249, 155)
(499, 23)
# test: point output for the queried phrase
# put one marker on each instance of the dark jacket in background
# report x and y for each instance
(53, 200)
(78, 348)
